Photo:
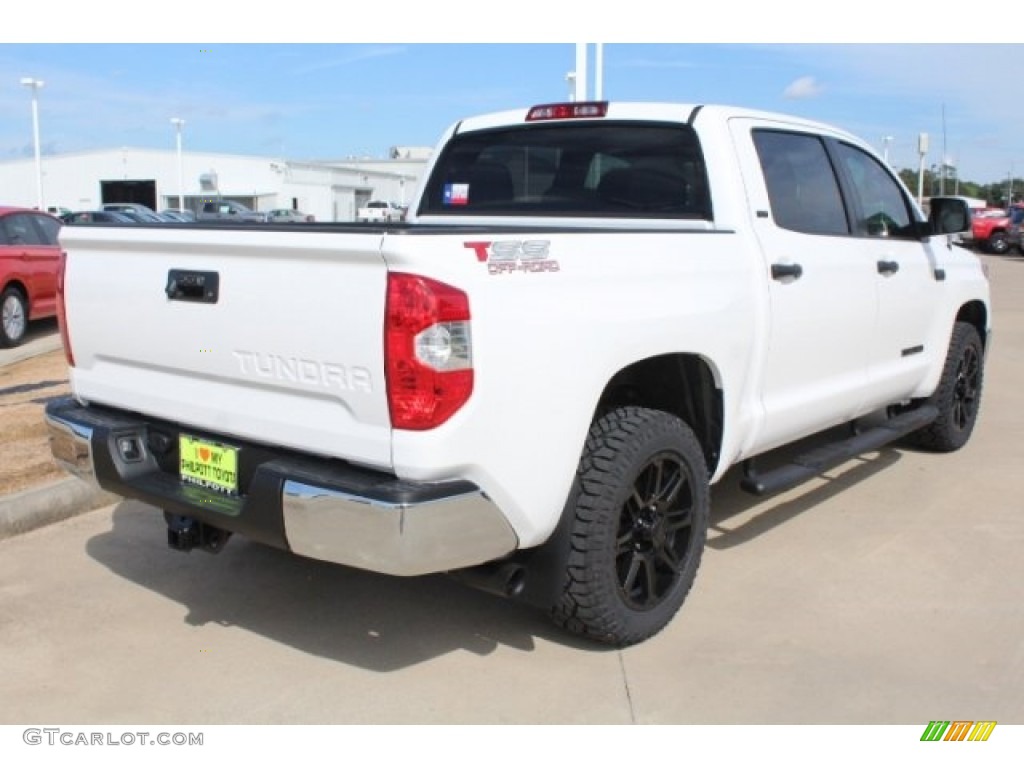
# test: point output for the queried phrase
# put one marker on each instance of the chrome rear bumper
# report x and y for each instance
(318, 508)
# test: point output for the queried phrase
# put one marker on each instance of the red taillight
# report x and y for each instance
(568, 110)
(427, 351)
(62, 315)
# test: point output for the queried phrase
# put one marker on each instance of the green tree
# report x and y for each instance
(994, 193)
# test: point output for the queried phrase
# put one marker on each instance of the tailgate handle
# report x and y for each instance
(189, 285)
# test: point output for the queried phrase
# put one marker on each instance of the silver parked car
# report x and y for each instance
(229, 210)
(288, 216)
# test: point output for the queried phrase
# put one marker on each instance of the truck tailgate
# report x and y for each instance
(265, 335)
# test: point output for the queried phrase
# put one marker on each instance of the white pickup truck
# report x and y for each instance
(595, 310)
(379, 212)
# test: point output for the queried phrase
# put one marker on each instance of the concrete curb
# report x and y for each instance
(39, 345)
(38, 507)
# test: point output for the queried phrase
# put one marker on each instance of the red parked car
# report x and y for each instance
(29, 257)
(989, 228)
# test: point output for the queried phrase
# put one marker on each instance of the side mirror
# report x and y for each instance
(949, 216)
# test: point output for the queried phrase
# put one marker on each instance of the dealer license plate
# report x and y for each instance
(209, 465)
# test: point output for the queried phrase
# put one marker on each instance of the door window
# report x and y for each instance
(801, 182)
(882, 208)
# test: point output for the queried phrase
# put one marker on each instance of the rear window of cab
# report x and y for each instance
(579, 168)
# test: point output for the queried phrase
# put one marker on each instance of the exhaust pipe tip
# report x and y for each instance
(515, 581)
(501, 579)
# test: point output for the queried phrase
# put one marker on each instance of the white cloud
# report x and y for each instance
(803, 88)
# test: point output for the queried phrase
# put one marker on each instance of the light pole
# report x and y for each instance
(177, 122)
(922, 151)
(35, 85)
(886, 141)
(581, 72)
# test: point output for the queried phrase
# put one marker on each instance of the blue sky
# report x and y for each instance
(325, 100)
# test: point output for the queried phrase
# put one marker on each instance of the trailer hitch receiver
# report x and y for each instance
(186, 533)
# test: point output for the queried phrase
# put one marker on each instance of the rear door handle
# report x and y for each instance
(783, 271)
(888, 267)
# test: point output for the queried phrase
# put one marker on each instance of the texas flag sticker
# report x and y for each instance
(456, 194)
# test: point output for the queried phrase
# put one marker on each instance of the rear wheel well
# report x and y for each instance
(680, 384)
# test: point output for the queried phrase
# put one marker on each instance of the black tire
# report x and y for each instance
(13, 317)
(998, 243)
(639, 517)
(958, 396)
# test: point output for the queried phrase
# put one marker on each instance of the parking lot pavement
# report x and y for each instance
(887, 592)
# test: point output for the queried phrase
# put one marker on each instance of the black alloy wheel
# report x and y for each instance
(655, 527)
(635, 522)
(958, 396)
(967, 388)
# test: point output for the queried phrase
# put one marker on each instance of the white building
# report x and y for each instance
(329, 190)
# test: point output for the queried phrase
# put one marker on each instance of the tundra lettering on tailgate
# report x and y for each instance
(303, 371)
